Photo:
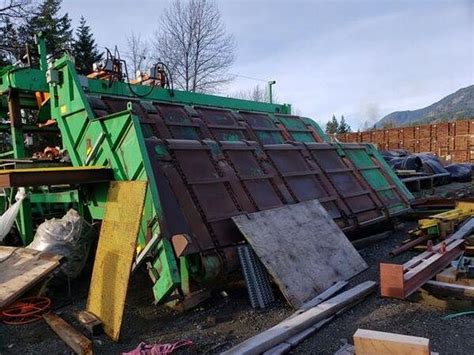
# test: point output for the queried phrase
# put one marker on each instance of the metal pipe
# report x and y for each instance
(270, 92)
(407, 246)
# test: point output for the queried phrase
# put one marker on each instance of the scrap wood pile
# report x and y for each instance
(436, 226)
(444, 239)
(452, 141)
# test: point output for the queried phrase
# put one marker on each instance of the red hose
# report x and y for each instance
(25, 310)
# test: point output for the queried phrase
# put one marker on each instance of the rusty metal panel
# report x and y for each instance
(222, 124)
(265, 129)
(177, 121)
(204, 189)
(350, 186)
(219, 163)
(374, 174)
(218, 198)
(298, 130)
(305, 180)
(261, 183)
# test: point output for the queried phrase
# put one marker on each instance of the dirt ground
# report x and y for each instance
(227, 318)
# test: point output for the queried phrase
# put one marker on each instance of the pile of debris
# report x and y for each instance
(423, 171)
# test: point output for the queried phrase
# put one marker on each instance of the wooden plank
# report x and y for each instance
(457, 291)
(75, 340)
(115, 253)
(21, 269)
(450, 275)
(302, 248)
(370, 342)
(293, 341)
(323, 296)
(305, 334)
(280, 349)
(90, 322)
(295, 325)
(445, 303)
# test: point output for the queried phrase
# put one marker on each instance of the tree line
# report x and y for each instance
(19, 27)
(333, 126)
(191, 40)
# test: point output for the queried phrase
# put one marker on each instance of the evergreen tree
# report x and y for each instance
(343, 126)
(10, 48)
(56, 28)
(332, 125)
(85, 49)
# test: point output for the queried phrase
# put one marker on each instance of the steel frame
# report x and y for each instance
(102, 123)
(400, 281)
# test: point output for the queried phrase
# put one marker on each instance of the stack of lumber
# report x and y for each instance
(283, 336)
(452, 141)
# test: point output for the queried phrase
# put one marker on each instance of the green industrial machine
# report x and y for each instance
(173, 139)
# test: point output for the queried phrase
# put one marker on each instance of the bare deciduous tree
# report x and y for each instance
(257, 93)
(137, 53)
(193, 42)
(14, 8)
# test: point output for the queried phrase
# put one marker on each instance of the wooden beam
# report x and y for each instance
(455, 290)
(76, 341)
(294, 325)
(305, 334)
(370, 342)
(435, 299)
(323, 296)
(89, 321)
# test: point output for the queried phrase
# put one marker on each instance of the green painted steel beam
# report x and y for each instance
(69, 196)
(23, 79)
(166, 267)
(30, 129)
(101, 87)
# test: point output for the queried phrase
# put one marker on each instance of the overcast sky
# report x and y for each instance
(353, 58)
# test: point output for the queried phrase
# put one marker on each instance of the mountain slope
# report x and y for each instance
(459, 105)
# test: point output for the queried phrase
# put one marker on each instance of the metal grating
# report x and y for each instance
(256, 278)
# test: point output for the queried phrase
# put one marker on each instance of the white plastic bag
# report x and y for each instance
(68, 236)
(8, 218)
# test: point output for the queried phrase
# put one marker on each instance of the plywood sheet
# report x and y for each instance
(115, 253)
(302, 248)
(22, 268)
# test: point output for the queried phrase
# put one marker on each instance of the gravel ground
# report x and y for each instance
(227, 319)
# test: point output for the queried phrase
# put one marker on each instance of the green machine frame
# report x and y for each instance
(118, 141)
(115, 140)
